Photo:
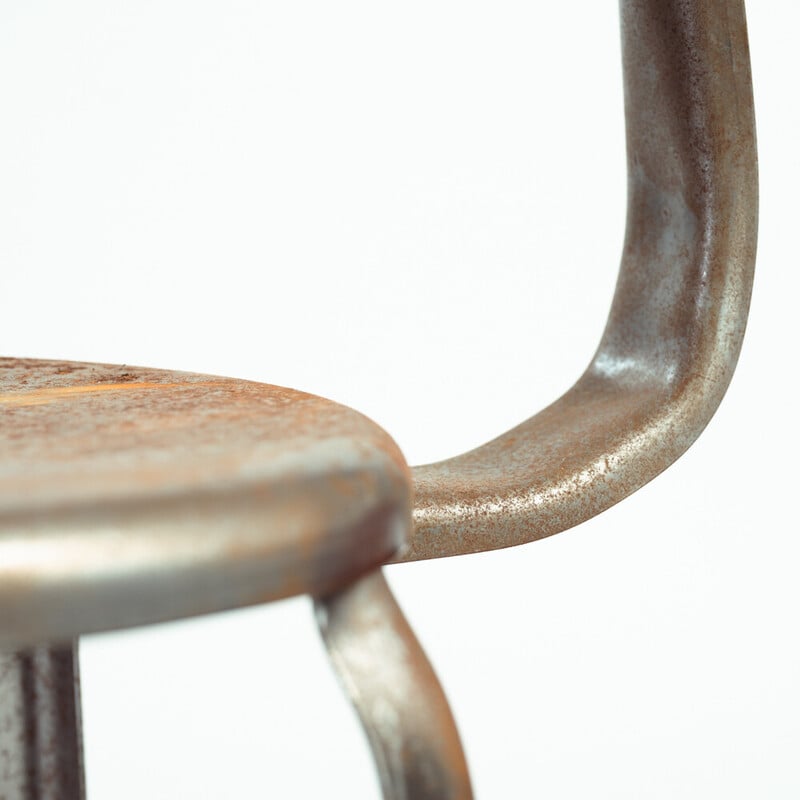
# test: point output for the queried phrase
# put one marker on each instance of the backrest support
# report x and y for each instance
(678, 315)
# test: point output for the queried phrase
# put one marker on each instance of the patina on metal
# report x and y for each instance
(678, 315)
(393, 687)
(41, 754)
(132, 496)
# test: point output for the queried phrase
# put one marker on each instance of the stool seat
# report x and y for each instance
(132, 496)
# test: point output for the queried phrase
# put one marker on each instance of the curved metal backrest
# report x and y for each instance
(678, 315)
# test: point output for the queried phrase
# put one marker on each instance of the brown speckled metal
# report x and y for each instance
(678, 315)
(132, 496)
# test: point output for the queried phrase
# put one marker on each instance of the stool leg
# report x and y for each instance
(41, 754)
(396, 693)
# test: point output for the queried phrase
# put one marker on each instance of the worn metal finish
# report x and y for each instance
(132, 496)
(41, 755)
(678, 315)
(394, 689)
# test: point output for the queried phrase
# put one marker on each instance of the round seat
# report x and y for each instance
(132, 496)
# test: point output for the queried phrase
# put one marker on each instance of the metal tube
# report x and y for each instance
(396, 693)
(41, 752)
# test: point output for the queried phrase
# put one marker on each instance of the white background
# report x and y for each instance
(416, 209)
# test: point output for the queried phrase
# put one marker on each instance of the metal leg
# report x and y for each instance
(396, 693)
(41, 754)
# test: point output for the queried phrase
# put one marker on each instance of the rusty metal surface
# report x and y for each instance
(41, 752)
(132, 496)
(396, 693)
(678, 314)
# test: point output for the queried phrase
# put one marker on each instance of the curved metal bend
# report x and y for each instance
(678, 315)
(396, 693)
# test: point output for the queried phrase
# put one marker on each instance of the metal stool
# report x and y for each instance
(131, 496)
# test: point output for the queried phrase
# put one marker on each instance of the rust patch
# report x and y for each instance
(133, 502)
(38, 397)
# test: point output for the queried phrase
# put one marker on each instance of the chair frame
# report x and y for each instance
(664, 362)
